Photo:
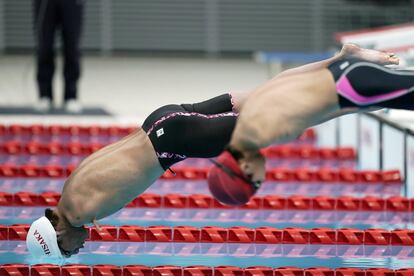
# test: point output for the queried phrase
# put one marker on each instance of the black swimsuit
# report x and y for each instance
(191, 130)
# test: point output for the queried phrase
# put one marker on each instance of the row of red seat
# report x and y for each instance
(332, 175)
(328, 175)
(73, 130)
(268, 202)
(236, 234)
(310, 152)
(52, 148)
(172, 270)
(94, 130)
(78, 148)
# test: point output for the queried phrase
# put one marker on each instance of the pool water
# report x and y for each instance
(213, 254)
(243, 255)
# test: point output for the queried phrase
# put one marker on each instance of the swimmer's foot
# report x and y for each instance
(379, 57)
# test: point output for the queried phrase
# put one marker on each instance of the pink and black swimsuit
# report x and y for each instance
(365, 84)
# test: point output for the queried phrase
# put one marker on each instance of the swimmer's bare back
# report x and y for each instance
(109, 179)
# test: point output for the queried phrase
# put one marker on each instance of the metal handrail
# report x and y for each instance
(407, 132)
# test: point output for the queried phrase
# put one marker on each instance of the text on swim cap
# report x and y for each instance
(42, 242)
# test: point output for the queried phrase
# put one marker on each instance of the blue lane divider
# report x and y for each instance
(185, 187)
(228, 218)
(185, 254)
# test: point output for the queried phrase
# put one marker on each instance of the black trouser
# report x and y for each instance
(191, 130)
(50, 15)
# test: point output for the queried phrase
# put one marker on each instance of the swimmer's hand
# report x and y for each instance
(251, 163)
(95, 223)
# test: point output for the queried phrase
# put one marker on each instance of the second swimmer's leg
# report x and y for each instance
(364, 84)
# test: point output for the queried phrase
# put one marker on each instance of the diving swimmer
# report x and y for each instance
(237, 123)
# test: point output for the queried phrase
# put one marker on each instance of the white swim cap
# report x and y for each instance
(41, 241)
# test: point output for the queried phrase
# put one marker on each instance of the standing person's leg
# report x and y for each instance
(45, 21)
(72, 17)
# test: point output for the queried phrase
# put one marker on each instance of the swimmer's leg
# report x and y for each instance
(364, 85)
(348, 84)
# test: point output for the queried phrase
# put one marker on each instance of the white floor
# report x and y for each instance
(132, 86)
